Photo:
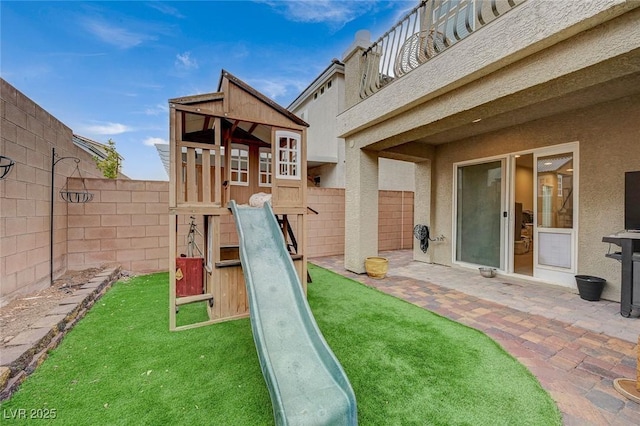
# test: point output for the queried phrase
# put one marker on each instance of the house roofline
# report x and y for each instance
(90, 146)
(334, 68)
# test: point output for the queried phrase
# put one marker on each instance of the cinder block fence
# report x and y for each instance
(127, 223)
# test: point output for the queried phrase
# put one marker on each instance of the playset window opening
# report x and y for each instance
(239, 165)
(265, 167)
(288, 155)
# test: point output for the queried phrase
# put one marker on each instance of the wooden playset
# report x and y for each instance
(225, 146)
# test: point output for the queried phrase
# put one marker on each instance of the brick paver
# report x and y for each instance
(575, 348)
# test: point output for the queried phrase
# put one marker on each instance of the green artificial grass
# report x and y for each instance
(411, 366)
(121, 365)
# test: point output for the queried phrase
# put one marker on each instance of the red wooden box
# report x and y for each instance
(189, 276)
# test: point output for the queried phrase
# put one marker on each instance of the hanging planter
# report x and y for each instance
(6, 164)
(76, 196)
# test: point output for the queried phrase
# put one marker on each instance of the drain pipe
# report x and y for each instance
(54, 160)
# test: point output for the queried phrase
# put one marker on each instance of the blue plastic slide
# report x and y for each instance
(305, 380)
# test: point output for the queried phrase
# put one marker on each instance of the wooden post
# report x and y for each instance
(217, 198)
(172, 271)
(206, 176)
(192, 188)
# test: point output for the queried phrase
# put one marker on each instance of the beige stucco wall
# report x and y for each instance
(322, 138)
(324, 145)
(529, 47)
(394, 175)
(609, 144)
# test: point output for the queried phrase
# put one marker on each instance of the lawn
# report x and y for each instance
(121, 365)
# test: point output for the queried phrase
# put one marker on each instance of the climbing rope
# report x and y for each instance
(421, 232)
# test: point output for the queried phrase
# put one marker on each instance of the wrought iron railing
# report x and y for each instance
(426, 31)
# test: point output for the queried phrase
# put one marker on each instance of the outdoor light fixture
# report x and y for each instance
(6, 164)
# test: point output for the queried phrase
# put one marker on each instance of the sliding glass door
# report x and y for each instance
(479, 212)
(490, 224)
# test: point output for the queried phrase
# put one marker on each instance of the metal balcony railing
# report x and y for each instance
(429, 29)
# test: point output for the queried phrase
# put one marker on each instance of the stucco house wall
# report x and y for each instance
(319, 105)
(609, 144)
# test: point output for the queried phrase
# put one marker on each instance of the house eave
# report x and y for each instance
(336, 67)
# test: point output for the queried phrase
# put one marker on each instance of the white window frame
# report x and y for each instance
(283, 162)
(241, 159)
(267, 163)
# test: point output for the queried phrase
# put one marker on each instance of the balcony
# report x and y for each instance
(428, 30)
(542, 58)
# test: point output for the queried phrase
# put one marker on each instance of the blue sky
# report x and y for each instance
(107, 69)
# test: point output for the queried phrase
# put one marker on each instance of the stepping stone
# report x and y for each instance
(73, 300)
(11, 354)
(65, 310)
(83, 292)
(91, 285)
(49, 322)
(30, 337)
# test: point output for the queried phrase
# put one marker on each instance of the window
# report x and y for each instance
(239, 165)
(329, 84)
(555, 191)
(288, 149)
(265, 167)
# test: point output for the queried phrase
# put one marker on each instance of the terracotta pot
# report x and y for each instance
(376, 267)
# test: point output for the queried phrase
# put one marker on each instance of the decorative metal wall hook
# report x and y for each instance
(71, 197)
(6, 164)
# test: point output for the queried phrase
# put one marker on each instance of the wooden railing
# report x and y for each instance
(425, 32)
(199, 180)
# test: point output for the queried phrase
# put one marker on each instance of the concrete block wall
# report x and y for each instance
(325, 231)
(395, 220)
(127, 222)
(27, 135)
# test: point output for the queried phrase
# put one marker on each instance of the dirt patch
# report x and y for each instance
(18, 314)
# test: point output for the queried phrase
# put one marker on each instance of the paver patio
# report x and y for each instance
(575, 348)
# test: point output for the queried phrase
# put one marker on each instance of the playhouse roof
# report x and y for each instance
(236, 100)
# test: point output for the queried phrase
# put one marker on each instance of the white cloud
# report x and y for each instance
(317, 11)
(117, 36)
(107, 129)
(278, 89)
(166, 9)
(152, 141)
(271, 88)
(184, 61)
(156, 109)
